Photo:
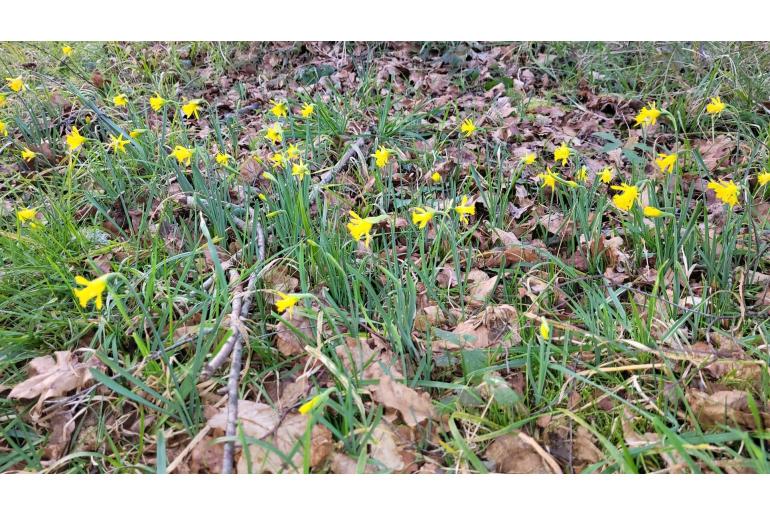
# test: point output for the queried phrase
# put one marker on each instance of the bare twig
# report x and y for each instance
(328, 176)
(232, 380)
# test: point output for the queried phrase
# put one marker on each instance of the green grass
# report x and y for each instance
(620, 353)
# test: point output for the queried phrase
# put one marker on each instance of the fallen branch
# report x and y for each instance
(328, 176)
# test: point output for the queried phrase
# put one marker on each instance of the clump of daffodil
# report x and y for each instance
(66, 50)
(666, 162)
(286, 302)
(529, 158)
(222, 159)
(27, 216)
(74, 139)
(582, 174)
(157, 102)
(117, 144)
(191, 108)
(182, 154)
(467, 128)
(28, 155)
(278, 159)
(300, 170)
(652, 212)
(548, 179)
(421, 216)
(626, 198)
(726, 191)
(464, 209)
(274, 133)
(648, 115)
(435, 177)
(763, 177)
(561, 153)
(607, 175)
(307, 110)
(381, 156)
(545, 329)
(91, 290)
(716, 106)
(15, 83)
(279, 108)
(292, 152)
(120, 100)
(3, 129)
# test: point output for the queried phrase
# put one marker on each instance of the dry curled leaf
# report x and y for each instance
(725, 408)
(414, 407)
(483, 330)
(512, 455)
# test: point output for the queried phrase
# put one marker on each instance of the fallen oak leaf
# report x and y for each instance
(413, 406)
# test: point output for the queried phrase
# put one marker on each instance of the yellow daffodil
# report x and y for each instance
(468, 128)
(222, 159)
(421, 216)
(118, 144)
(2, 100)
(436, 177)
(545, 329)
(307, 110)
(3, 128)
(548, 178)
(182, 154)
(300, 170)
(726, 191)
(652, 212)
(606, 175)
(27, 154)
(274, 133)
(27, 216)
(269, 176)
(136, 133)
(312, 403)
(74, 139)
(648, 115)
(91, 290)
(279, 108)
(292, 152)
(381, 156)
(626, 198)
(529, 158)
(763, 178)
(465, 209)
(666, 162)
(157, 102)
(561, 153)
(278, 159)
(66, 50)
(16, 84)
(120, 100)
(192, 108)
(582, 174)
(716, 106)
(360, 227)
(286, 302)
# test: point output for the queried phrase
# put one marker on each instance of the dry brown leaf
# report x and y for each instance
(257, 419)
(414, 407)
(512, 455)
(511, 256)
(391, 447)
(483, 330)
(728, 407)
(715, 152)
(286, 340)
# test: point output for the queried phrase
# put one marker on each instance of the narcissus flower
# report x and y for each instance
(561, 153)
(66, 50)
(278, 159)
(118, 144)
(274, 133)
(648, 115)
(120, 100)
(182, 154)
(421, 216)
(381, 156)
(300, 170)
(716, 106)
(307, 110)
(666, 162)
(626, 198)
(545, 329)
(606, 175)
(27, 154)
(468, 128)
(292, 152)
(361, 227)
(582, 174)
(157, 102)
(436, 177)
(548, 178)
(3, 128)
(91, 290)
(222, 159)
(192, 108)
(465, 209)
(286, 302)
(529, 158)
(726, 191)
(763, 178)
(74, 139)
(27, 216)
(279, 108)
(312, 403)
(136, 133)
(2, 100)
(16, 84)
(652, 212)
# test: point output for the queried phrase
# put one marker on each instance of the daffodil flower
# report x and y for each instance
(561, 153)
(222, 159)
(529, 158)
(278, 159)
(91, 290)
(666, 162)
(16, 84)
(467, 128)
(300, 170)
(545, 329)
(28, 155)
(157, 102)
(192, 108)
(606, 175)
(381, 156)
(74, 139)
(3, 128)
(136, 133)
(279, 108)
(582, 174)
(465, 209)
(274, 133)
(652, 212)
(66, 50)
(421, 216)
(120, 100)
(286, 302)
(27, 216)
(436, 177)
(182, 154)
(726, 191)
(548, 178)
(118, 144)
(292, 152)
(362, 227)
(307, 110)
(716, 106)
(626, 198)
(648, 115)
(763, 178)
